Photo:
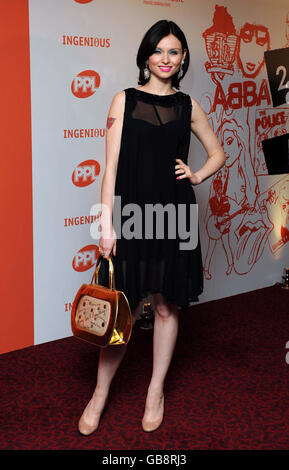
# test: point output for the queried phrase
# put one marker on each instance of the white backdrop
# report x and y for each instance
(64, 251)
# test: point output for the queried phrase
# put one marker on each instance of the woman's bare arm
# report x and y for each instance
(112, 148)
(201, 128)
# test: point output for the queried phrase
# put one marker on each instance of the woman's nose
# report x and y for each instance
(165, 58)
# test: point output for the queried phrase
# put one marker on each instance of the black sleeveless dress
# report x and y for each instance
(156, 131)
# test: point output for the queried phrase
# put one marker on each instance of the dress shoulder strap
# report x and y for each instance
(187, 106)
(129, 93)
(129, 100)
(187, 100)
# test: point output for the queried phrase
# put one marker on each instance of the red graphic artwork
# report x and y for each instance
(240, 213)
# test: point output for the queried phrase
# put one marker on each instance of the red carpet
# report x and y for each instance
(227, 387)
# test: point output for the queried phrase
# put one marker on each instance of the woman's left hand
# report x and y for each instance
(184, 171)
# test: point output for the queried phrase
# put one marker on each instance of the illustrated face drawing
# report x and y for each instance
(253, 42)
(231, 147)
(93, 314)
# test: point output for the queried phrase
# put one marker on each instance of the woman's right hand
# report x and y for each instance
(107, 242)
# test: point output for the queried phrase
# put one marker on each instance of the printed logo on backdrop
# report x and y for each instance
(277, 63)
(241, 218)
(85, 84)
(83, 1)
(85, 173)
(83, 133)
(83, 41)
(85, 258)
(79, 220)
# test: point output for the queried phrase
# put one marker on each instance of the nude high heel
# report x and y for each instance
(86, 429)
(149, 426)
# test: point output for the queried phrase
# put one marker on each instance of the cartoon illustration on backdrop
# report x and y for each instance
(239, 214)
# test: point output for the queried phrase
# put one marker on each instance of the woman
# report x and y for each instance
(147, 143)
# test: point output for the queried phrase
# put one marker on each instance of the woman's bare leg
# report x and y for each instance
(109, 361)
(165, 334)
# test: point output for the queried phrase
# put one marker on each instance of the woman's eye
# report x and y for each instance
(158, 51)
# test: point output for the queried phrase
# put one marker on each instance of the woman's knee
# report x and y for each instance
(161, 307)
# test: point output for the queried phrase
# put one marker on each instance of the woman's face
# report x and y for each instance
(167, 57)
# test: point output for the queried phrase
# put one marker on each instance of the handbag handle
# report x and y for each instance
(110, 273)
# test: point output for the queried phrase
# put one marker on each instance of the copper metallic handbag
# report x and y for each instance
(101, 315)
